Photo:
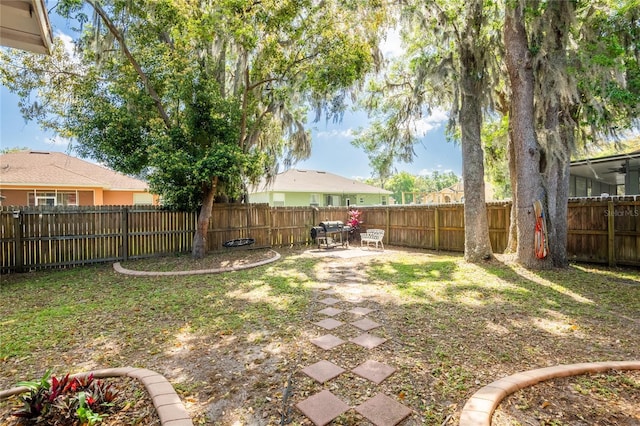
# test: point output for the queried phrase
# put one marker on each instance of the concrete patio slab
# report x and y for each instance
(322, 407)
(368, 341)
(323, 371)
(365, 324)
(329, 323)
(328, 341)
(374, 371)
(383, 411)
(330, 311)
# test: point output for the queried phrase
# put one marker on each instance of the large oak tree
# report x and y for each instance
(202, 97)
(572, 80)
(449, 63)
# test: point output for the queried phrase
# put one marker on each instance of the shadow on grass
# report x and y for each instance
(452, 326)
(468, 325)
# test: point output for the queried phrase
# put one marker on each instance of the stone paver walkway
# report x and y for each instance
(324, 406)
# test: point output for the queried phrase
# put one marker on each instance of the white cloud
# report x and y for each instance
(67, 41)
(391, 45)
(336, 133)
(438, 115)
(431, 122)
(58, 141)
(439, 168)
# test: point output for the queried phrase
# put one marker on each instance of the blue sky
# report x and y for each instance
(332, 150)
(331, 147)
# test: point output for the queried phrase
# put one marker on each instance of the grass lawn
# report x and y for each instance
(233, 344)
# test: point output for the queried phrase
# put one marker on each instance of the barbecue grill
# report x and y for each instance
(329, 234)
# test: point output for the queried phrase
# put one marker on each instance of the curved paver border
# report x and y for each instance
(479, 409)
(118, 268)
(165, 399)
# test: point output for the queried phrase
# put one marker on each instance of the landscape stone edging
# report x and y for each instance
(165, 399)
(478, 411)
(118, 268)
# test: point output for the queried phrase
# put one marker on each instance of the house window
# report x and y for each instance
(278, 199)
(69, 198)
(384, 200)
(361, 200)
(142, 198)
(46, 199)
(333, 200)
(581, 186)
(314, 200)
(52, 198)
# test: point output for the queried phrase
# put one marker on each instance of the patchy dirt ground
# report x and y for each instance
(231, 258)
(255, 379)
(611, 399)
(606, 399)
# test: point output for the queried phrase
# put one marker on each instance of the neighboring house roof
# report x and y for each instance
(457, 187)
(25, 25)
(610, 169)
(55, 169)
(295, 180)
(453, 189)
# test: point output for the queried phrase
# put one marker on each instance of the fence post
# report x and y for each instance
(436, 229)
(313, 216)
(388, 230)
(17, 234)
(507, 221)
(125, 234)
(270, 225)
(611, 233)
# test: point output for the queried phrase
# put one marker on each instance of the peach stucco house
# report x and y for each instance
(35, 178)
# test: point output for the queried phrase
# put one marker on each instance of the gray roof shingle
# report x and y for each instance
(295, 180)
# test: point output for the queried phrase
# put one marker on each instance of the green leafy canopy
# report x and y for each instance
(197, 97)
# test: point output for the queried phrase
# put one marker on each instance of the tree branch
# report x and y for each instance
(145, 79)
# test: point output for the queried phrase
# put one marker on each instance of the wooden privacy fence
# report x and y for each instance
(53, 237)
(599, 230)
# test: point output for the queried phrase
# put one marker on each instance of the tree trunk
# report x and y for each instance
(559, 127)
(560, 223)
(557, 185)
(526, 150)
(202, 227)
(512, 238)
(555, 180)
(477, 245)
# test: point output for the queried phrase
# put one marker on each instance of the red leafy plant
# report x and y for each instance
(78, 400)
(354, 222)
(354, 219)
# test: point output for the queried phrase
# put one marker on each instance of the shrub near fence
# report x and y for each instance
(599, 230)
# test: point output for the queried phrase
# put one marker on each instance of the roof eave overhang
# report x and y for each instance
(31, 185)
(610, 158)
(25, 25)
(325, 191)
